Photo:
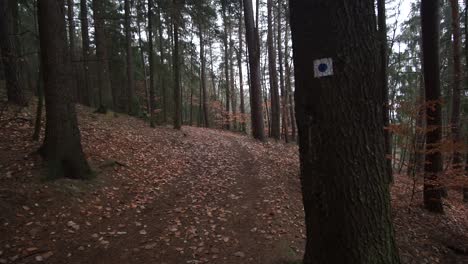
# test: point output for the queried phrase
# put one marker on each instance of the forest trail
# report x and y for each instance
(162, 196)
(172, 197)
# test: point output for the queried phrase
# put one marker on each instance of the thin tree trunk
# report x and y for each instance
(176, 68)
(143, 63)
(162, 77)
(345, 189)
(62, 145)
(88, 89)
(131, 100)
(151, 63)
(9, 53)
(284, 110)
(457, 161)
(274, 95)
(71, 39)
(226, 64)
(434, 162)
(382, 22)
(288, 80)
(253, 46)
(203, 75)
(465, 189)
(105, 91)
(241, 80)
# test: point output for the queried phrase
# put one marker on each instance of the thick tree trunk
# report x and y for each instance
(253, 46)
(132, 104)
(274, 94)
(457, 161)
(9, 54)
(62, 145)
(344, 182)
(434, 162)
(176, 67)
(151, 64)
(105, 90)
(239, 64)
(88, 92)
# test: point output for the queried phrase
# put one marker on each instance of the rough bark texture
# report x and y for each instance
(434, 163)
(151, 64)
(9, 56)
(342, 149)
(132, 104)
(62, 145)
(457, 79)
(104, 82)
(176, 68)
(89, 93)
(253, 46)
(274, 94)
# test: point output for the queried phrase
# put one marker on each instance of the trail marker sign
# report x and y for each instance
(323, 67)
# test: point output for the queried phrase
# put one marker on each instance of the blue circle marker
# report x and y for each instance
(323, 67)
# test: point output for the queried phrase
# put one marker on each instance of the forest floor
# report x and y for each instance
(191, 196)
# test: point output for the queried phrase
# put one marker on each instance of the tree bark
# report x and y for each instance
(434, 162)
(274, 94)
(162, 78)
(105, 91)
(151, 63)
(132, 104)
(284, 110)
(241, 77)
(287, 68)
(226, 64)
(253, 47)
(203, 75)
(88, 97)
(71, 40)
(176, 68)
(62, 145)
(382, 23)
(9, 53)
(457, 161)
(344, 182)
(465, 189)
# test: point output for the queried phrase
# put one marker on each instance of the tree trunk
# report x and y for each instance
(71, 39)
(241, 80)
(62, 145)
(105, 91)
(142, 58)
(203, 75)
(176, 67)
(434, 162)
(345, 189)
(253, 47)
(465, 189)
(274, 94)
(132, 104)
(287, 67)
(88, 97)
(284, 110)
(162, 78)
(151, 63)
(457, 79)
(226, 63)
(382, 23)
(231, 80)
(9, 53)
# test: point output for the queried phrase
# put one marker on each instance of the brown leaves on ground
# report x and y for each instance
(164, 196)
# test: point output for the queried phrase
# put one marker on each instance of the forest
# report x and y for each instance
(234, 131)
